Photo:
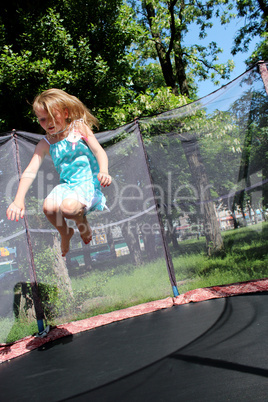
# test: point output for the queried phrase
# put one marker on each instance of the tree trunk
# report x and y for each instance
(87, 257)
(163, 55)
(213, 236)
(110, 241)
(150, 246)
(172, 232)
(132, 243)
(235, 220)
(180, 71)
(61, 271)
(179, 76)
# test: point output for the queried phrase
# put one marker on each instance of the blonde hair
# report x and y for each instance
(54, 98)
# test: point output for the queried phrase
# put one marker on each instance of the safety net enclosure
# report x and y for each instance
(187, 209)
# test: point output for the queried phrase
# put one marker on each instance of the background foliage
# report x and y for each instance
(122, 58)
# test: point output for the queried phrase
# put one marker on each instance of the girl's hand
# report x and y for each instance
(15, 211)
(104, 179)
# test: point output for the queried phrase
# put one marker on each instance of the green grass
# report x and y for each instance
(6, 324)
(20, 329)
(123, 285)
(102, 292)
(245, 259)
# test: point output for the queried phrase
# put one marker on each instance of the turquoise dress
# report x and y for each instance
(78, 169)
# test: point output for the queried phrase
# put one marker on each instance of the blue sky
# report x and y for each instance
(223, 36)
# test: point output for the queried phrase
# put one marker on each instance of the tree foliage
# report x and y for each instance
(66, 45)
(163, 28)
(122, 58)
(255, 13)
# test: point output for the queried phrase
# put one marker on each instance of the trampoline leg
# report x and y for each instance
(40, 325)
(175, 291)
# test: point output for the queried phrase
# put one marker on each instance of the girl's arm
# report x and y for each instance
(101, 156)
(17, 208)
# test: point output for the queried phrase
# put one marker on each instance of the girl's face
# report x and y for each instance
(52, 126)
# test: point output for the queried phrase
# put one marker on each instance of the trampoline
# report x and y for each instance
(152, 310)
(213, 350)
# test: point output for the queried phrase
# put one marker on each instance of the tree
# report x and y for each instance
(255, 14)
(253, 166)
(163, 28)
(63, 44)
(180, 175)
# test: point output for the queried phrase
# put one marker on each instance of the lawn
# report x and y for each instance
(245, 259)
(103, 291)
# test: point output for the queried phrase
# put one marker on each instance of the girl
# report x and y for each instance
(78, 158)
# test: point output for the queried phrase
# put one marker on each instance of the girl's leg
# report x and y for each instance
(55, 217)
(74, 210)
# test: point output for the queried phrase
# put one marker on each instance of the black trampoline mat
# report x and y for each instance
(214, 350)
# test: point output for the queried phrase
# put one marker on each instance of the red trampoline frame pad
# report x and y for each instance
(25, 345)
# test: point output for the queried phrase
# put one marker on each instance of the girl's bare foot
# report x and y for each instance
(85, 230)
(65, 242)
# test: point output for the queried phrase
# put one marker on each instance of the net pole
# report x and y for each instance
(169, 262)
(32, 271)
